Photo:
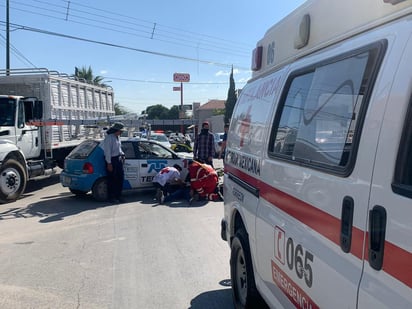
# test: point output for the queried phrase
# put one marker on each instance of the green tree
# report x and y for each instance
(87, 75)
(231, 99)
(157, 112)
(174, 112)
(119, 110)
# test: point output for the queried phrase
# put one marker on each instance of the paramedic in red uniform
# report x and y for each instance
(203, 180)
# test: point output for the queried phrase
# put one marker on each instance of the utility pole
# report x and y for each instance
(182, 78)
(7, 39)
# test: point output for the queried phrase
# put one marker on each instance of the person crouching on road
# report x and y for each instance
(204, 180)
(165, 180)
(114, 157)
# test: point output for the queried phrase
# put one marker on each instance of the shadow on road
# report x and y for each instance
(34, 185)
(218, 299)
(53, 208)
(56, 207)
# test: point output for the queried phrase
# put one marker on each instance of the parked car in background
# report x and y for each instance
(176, 138)
(218, 142)
(181, 148)
(85, 168)
(161, 138)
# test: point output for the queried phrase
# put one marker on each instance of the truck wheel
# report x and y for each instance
(12, 181)
(245, 294)
(99, 190)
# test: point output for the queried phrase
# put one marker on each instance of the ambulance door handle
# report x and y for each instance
(346, 224)
(377, 229)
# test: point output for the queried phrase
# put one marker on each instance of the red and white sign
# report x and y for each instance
(296, 295)
(181, 77)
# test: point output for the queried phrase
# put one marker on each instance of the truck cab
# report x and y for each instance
(17, 115)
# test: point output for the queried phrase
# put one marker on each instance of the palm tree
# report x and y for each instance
(87, 75)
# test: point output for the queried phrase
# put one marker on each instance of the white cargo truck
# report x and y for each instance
(41, 121)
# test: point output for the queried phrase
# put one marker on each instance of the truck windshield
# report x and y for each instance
(7, 112)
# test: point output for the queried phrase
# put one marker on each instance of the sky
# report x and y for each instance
(137, 45)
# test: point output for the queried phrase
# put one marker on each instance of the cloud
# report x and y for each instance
(227, 73)
(222, 73)
(103, 72)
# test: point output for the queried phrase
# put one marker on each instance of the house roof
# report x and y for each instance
(213, 104)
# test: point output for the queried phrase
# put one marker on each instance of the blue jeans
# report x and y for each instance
(178, 194)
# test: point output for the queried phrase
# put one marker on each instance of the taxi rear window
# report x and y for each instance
(83, 150)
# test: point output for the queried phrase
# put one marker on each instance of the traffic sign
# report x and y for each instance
(181, 77)
(176, 89)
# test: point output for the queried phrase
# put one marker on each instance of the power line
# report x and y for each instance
(180, 31)
(171, 83)
(17, 53)
(133, 26)
(22, 27)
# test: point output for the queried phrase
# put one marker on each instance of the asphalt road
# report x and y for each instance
(61, 251)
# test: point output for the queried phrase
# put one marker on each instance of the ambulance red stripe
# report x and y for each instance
(397, 261)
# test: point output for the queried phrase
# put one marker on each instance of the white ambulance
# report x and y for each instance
(318, 166)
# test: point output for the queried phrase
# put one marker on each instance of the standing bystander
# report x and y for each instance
(114, 158)
(204, 146)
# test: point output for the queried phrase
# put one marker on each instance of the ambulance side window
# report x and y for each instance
(322, 109)
(402, 183)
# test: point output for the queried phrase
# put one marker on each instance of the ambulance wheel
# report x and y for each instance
(99, 190)
(12, 181)
(245, 294)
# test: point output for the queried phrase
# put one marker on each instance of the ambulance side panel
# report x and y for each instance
(318, 169)
(387, 277)
(312, 220)
(246, 143)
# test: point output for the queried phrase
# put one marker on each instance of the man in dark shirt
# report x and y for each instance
(204, 146)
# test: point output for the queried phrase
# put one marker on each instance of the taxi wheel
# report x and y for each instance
(99, 190)
(245, 294)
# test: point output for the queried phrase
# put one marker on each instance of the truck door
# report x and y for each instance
(387, 278)
(28, 134)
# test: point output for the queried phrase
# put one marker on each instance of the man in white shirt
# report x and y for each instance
(169, 175)
(114, 157)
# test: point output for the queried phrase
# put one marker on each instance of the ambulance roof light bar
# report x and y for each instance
(257, 58)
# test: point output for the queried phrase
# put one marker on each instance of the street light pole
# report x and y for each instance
(181, 77)
(7, 39)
